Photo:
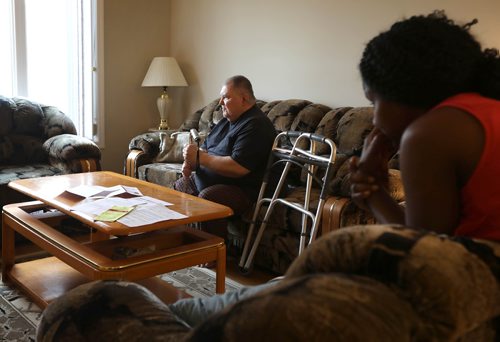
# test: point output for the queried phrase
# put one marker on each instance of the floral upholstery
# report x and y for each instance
(346, 126)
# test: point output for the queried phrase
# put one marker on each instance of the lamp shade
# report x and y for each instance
(164, 72)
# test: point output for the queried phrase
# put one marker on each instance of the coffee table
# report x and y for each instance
(113, 250)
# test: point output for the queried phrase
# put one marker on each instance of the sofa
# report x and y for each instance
(361, 283)
(39, 141)
(157, 157)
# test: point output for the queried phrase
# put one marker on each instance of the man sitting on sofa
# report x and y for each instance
(231, 163)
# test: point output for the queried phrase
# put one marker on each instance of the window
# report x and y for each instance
(50, 55)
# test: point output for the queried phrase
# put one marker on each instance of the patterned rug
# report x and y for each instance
(19, 317)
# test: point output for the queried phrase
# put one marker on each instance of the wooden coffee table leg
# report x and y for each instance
(8, 248)
(220, 270)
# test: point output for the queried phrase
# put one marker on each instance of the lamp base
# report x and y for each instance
(163, 125)
(163, 104)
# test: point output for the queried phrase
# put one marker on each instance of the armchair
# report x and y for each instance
(39, 141)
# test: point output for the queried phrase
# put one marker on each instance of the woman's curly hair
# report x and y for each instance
(423, 60)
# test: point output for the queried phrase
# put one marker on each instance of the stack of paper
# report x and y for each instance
(134, 210)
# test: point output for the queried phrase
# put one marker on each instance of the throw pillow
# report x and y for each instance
(171, 146)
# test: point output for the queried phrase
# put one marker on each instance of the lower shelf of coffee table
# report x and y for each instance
(49, 278)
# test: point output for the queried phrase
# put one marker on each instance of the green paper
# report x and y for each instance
(113, 213)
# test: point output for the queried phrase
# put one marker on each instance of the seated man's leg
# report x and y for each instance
(196, 310)
(228, 195)
(186, 185)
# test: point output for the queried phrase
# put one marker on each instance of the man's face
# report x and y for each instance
(232, 102)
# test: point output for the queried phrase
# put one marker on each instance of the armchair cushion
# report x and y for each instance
(6, 148)
(14, 172)
(27, 149)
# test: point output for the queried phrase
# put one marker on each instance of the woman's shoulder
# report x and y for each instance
(448, 136)
(444, 123)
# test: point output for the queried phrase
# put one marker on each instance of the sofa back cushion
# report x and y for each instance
(56, 122)
(284, 113)
(6, 110)
(352, 129)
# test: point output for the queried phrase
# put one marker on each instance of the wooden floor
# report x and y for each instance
(257, 276)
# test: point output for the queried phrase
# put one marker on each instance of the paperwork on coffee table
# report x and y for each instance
(146, 209)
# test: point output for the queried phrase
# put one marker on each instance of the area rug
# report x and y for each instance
(19, 317)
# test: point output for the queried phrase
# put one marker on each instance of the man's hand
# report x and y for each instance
(186, 170)
(189, 153)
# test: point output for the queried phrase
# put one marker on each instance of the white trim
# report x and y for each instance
(98, 80)
(20, 60)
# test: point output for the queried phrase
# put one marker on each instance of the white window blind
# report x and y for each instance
(51, 55)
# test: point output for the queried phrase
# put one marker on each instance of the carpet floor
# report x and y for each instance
(19, 317)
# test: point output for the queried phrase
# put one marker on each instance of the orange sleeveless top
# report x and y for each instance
(480, 197)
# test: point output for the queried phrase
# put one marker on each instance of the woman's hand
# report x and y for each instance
(369, 173)
(362, 184)
(377, 149)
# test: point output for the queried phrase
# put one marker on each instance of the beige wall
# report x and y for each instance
(305, 49)
(134, 32)
(295, 48)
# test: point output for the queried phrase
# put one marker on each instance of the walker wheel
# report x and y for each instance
(245, 271)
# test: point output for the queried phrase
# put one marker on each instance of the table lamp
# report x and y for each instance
(164, 72)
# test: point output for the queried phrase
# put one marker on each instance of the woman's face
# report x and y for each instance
(391, 117)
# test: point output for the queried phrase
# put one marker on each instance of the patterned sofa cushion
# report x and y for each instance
(352, 129)
(284, 113)
(327, 127)
(160, 173)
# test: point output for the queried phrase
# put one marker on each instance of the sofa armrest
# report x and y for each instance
(73, 153)
(143, 148)
(149, 143)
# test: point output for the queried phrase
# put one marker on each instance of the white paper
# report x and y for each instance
(86, 190)
(148, 214)
(95, 207)
(97, 191)
(145, 211)
(154, 200)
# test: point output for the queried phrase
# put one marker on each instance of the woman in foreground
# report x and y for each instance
(436, 97)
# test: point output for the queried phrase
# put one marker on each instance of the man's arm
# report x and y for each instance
(224, 166)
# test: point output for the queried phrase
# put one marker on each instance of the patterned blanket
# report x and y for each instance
(362, 283)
